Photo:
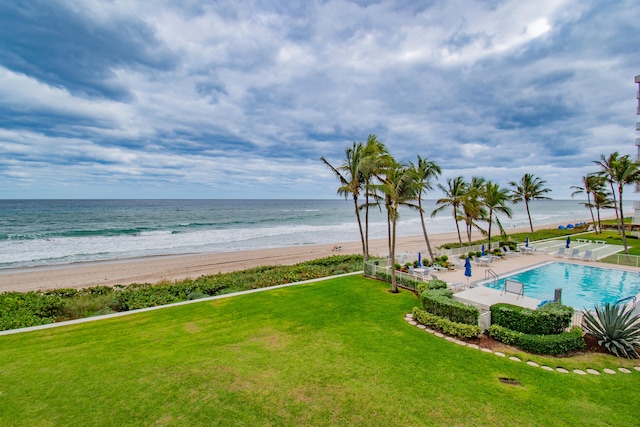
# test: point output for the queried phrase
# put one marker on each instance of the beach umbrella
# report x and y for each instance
(467, 269)
(568, 242)
(419, 260)
(483, 249)
(526, 243)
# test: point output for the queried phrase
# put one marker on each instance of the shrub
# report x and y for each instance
(541, 344)
(21, 310)
(615, 328)
(86, 305)
(440, 303)
(456, 329)
(432, 284)
(552, 318)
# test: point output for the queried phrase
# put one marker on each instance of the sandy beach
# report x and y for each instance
(155, 269)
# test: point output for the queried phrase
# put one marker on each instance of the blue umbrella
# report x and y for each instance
(526, 243)
(419, 260)
(568, 242)
(467, 269)
(483, 249)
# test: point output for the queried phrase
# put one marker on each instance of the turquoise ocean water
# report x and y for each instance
(53, 232)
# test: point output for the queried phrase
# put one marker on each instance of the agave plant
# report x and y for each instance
(615, 328)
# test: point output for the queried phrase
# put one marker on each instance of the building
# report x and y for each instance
(636, 216)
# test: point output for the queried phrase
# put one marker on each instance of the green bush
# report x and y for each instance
(432, 284)
(541, 344)
(551, 318)
(615, 328)
(440, 303)
(21, 310)
(461, 330)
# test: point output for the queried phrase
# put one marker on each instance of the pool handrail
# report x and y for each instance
(631, 298)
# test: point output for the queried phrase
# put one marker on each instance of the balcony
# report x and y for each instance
(637, 125)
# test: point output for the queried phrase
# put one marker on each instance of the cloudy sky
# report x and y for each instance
(239, 99)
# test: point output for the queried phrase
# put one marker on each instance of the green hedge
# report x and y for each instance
(21, 310)
(541, 344)
(551, 318)
(402, 280)
(440, 303)
(461, 330)
(432, 284)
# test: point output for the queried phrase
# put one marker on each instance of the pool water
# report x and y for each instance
(583, 286)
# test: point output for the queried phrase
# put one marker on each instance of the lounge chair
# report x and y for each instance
(588, 256)
(458, 286)
(507, 251)
(457, 262)
(561, 252)
(575, 254)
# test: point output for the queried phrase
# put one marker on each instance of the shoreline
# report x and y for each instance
(155, 269)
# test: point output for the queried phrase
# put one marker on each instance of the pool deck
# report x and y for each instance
(484, 297)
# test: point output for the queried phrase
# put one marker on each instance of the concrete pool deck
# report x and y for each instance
(482, 297)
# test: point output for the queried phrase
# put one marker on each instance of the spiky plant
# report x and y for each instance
(615, 328)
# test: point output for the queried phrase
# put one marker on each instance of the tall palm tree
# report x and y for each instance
(589, 184)
(529, 188)
(473, 209)
(349, 173)
(625, 172)
(602, 199)
(399, 187)
(426, 170)
(607, 169)
(495, 200)
(454, 195)
(375, 157)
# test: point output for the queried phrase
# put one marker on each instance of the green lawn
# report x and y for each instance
(336, 352)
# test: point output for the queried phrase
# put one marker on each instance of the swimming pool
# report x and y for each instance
(583, 286)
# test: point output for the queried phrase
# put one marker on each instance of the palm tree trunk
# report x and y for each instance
(394, 285)
(366, 227)
(599, 221)
(424, 229)
(622, 229)
(593, 220)
(615, 206)
(526, 204)
(364, 250)
(489, 232)
(455, 218)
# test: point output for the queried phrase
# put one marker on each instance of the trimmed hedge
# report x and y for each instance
(408, 282)
(551, 318)
(541, 344)
(440, 303)
(432, 284)
(461, 330)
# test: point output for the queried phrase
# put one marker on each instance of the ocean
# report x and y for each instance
(55, 232)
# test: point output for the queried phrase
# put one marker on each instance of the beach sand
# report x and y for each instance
(176, 267)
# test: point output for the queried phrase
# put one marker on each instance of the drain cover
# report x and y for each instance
(510, 381)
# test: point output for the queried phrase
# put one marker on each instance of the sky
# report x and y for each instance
(240, 99)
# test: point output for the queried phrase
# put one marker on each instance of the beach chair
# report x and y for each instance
(587, 256)
(561, 252)
(458, 286)
(507, 251)
(575, 254)
(457, 262)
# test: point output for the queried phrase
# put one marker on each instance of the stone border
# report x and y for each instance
(409, 318)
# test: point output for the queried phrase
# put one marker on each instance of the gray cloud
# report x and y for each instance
(201, 99)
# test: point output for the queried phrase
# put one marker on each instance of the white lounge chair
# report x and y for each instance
(588, 256)
(575, 254)
(561, 252)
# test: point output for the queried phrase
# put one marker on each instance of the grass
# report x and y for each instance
(336, 352)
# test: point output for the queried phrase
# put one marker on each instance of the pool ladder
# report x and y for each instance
(627, 300)
(490, 273)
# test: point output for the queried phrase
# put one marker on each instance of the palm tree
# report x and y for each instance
(349, 173)
(607, 169)
(589, 184)
(602, 200)
(426, 170)
(453, 197)
(376, 156)
(624, 172)
(529, 188)
(399, 187)
(472, 207)
(495, 200)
